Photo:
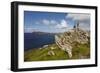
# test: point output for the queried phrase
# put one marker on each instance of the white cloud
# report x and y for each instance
(84, 19)
(28, 29)
(85, 26)
(79, 17)
(62, 24)
(37, 22)
(53, 22)
(45, 21)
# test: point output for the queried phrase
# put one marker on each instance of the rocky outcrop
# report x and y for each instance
(51, 53)
(65, 40)
(65, 46)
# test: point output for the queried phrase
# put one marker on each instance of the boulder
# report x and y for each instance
(51, 53)
(45, 46)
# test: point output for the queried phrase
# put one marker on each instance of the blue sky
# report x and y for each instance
(52, 22)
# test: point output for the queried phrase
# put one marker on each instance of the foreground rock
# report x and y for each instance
(65, 41)
(51, 53)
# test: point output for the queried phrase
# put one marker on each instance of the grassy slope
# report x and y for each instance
(79, 51)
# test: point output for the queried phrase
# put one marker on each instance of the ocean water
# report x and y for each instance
(36, 40)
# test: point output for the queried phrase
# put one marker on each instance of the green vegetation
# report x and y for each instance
(53, 52)
(81, 51)
(42, 54)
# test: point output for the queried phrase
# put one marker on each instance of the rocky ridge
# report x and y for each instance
(65, 41)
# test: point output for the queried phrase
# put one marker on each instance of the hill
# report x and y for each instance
(73, 44)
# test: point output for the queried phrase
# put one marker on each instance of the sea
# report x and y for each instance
(37, 40)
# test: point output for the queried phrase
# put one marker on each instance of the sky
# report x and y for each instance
(54, 22)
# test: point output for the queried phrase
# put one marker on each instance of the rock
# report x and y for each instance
(63, 46)
(40, 48)
(52, 48)
(66, 40)
(51, 53)
(45, 46)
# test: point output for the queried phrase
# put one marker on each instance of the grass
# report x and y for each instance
(79, 51)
